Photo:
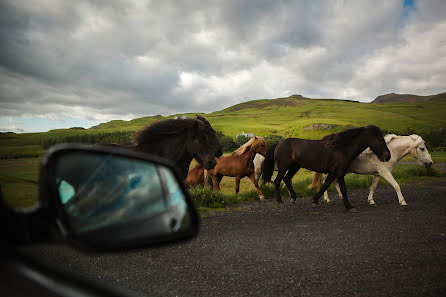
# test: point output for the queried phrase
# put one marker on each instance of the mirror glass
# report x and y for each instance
(98, 190)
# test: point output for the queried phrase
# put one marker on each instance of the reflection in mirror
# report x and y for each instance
(98, 190)
(175, 199)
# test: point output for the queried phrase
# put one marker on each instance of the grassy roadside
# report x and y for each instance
(19, 177)
(207, 199)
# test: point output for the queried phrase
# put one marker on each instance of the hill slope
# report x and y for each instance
(294, 116)
(393, 98)
(312, 118)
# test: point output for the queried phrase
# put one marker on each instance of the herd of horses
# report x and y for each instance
(361, 150)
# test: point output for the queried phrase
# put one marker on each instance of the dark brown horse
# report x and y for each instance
(239, 164)
(332, 154)
(180, 141)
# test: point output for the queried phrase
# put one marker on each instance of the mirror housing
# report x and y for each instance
(108, 198)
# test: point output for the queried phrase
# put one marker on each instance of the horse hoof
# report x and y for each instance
(262, 198)
(352, 210)
(292, 201)
(314, 205)
(403, 203)
(328, 201)
(373, 205)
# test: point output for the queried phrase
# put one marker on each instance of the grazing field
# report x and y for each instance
(18, 181)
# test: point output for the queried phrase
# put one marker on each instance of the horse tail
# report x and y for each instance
(268, 164)
(316, 178)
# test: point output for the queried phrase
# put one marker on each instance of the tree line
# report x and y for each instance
(434, 138)
(88, 138)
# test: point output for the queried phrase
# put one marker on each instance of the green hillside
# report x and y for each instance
(293, 116)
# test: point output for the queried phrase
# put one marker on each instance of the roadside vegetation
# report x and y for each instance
(207, 199)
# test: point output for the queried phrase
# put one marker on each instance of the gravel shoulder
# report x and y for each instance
(263, 249)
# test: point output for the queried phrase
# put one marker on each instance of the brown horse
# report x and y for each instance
(239, 164)
(333, 154)
(195, 176)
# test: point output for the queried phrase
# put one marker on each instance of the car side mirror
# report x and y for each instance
(111, 198)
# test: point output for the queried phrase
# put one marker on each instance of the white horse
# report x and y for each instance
(258, 161)
(367, 163)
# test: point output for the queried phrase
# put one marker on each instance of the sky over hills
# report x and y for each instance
(65, 63)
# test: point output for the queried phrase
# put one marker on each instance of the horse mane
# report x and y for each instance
(342, 139)
(417, 140)
(388, 139)
(242, 149)
(163, 129)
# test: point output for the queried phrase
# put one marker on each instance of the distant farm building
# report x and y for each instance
(245, 134)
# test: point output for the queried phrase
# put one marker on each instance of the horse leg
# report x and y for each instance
(287, 179)
(215, 182)
(324, 188)
(389, 178)
(277, 181)
(347, 204)
(335, 182)
(372, 190)
(237, 184)
(326, 198)
(256, 184)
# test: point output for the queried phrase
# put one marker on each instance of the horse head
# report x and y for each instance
(419, 151)
(259, 145)
(256, 144)
(377, 143)
(204, 145)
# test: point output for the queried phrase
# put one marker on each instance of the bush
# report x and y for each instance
(227, 143)
(272, 139)
(241, 140)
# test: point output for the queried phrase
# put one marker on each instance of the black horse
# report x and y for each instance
(332, 154)
(179, 140)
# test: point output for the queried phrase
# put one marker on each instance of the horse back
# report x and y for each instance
(195, 176)
(305, 153)
(233, 165)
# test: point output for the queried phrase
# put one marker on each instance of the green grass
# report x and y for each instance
(18, 182)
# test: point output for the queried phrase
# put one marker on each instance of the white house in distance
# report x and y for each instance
(245, 134)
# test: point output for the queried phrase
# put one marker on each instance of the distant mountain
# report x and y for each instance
(400, 98)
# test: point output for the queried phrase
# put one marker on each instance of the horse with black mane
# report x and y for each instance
(179, 140)
(332, 154)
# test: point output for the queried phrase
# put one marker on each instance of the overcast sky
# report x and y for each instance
(80, 63)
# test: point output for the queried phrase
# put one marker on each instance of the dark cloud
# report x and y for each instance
(102, 60)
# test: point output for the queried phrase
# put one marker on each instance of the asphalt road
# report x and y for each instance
(262, 249)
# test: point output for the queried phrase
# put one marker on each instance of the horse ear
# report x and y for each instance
(389, 137)
(255, 137)
(202, 119)
(417, 140)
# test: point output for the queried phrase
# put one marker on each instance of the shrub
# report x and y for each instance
(241, 140)
(272, 139)
(227, 143)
